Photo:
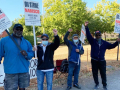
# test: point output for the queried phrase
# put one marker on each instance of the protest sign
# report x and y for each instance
(5, 23)
(32, 16)
(83, 33)
(117, 24)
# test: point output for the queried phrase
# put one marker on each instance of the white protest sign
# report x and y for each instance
(32, 13)
(4, 22)
(117, 24)
(32, 71)
(83, 33)
(2, 75)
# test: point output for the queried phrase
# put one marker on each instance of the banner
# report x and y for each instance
(117, 24)
(32, 71)
(32, 13)
(5, 23)
(83, 33)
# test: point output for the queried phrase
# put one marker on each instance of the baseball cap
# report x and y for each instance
(18, 25)
(97, 32)
(45, 36)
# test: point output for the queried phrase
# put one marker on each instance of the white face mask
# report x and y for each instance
(45, 42)
(75, 41)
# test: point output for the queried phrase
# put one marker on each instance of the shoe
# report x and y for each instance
(77, 86)
(96, 87)
(68, 88)
(105, 88)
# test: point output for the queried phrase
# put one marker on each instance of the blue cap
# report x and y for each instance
(45, 36)
(18, 25)
(97, 32)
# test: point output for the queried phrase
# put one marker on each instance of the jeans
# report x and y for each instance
(99, 65)
(74, 68)
(40, 79)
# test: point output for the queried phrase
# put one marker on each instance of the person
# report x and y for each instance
(16, 62)
(75, 52)
(98, 49)
(45, 52)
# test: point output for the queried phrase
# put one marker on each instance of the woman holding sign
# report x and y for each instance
(45, 52)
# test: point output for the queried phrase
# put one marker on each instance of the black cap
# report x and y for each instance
(45, 36)
(18, 25)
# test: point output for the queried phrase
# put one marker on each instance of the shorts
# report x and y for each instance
(13, 81)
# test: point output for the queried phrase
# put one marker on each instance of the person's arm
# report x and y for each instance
(1, 50)
(66, 37)
(111, 46)
(88, 35)
(81, 51)
(30, 52)
(56, 42)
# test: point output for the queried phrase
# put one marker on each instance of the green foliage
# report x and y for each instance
(30, 38)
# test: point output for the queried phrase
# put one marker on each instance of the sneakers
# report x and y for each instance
(105, 88)
(68, 88)
(77, 86)
(96, 87)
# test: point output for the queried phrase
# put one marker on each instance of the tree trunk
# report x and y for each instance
(105, 36)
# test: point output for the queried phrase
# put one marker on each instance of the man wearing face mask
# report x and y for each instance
(98, 48)
(75, 52)
(16, 64)
(45, 67)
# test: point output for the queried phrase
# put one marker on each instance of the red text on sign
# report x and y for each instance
(83, 32)
(32, 11)
(2, 15)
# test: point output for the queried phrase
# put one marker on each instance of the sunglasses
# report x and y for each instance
(44, 38)
(98, 35)
(19, 29)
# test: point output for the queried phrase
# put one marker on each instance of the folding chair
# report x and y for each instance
(58, 68)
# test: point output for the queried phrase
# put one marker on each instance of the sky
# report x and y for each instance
(13, 8)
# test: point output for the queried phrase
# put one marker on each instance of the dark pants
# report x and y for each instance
(73, 68)
(99, 65)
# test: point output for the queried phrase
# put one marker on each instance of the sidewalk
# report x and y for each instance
(113, 80)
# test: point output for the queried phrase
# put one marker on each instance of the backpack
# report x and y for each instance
(64, 66)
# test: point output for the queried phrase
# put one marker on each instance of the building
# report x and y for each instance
(3, 34)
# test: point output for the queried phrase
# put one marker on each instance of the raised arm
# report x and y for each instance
(66, 37)
(56, 42)
(88, 35)
(111, 46)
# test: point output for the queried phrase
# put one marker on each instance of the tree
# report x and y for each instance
(65, 14)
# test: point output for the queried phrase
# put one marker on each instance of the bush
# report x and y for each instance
(30, 39)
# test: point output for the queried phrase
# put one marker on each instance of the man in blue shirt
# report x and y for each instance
(16, 62)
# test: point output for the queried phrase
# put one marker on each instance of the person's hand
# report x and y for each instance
(86, 23)
(24, 53)
(70, 30)
(55, 32)
(118, 39)
(77, 50)
(35, 48)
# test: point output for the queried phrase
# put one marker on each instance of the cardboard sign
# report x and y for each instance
(32, 13)
(83, 33)
(5, 23)
(117, 24)
(32, 71)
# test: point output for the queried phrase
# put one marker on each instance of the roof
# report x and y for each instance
(3, 34)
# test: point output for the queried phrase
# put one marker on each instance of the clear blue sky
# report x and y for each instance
(13, 8)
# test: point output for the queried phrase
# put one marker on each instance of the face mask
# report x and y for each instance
(98, 39)
(75, 41)
(45, 42)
